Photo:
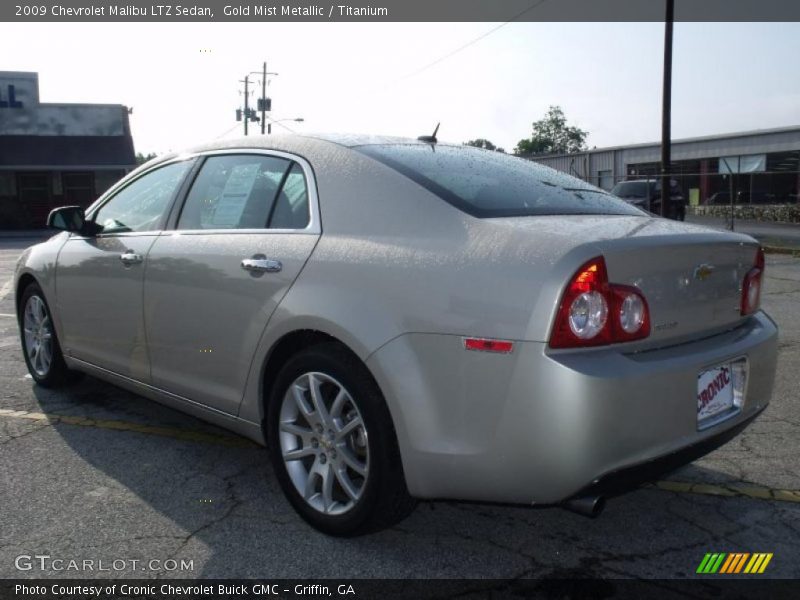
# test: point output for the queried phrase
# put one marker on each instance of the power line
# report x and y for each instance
(278, 122)
(227, 132)
(470, 43)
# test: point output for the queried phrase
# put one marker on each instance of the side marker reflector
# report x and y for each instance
(484, 345)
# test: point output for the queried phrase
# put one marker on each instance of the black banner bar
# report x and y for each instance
(395, 10)
(716, 587)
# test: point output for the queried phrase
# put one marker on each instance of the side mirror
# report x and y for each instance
(70, 218)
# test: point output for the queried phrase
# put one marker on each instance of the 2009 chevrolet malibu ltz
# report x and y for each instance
(400, 319)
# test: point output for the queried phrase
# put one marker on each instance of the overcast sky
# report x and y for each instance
(379, 78)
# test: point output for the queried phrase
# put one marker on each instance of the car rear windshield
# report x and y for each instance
(486, 184)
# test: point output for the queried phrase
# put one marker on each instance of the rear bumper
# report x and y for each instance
(629, 478)
(539, 426)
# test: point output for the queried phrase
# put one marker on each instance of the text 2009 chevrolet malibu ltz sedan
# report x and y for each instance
(400, 319)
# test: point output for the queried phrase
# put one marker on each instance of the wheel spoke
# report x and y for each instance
(352, 462)
(46, 355)
(317, 399)
(37, 362)
(300, 400)
(346, 484)
(311, 483)
(339, 402)
(296, 429)
(327, 487)
(349, 428)
(41, 310)
(298, 453)
(30, 316)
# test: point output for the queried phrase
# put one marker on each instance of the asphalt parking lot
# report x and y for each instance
(95, 473)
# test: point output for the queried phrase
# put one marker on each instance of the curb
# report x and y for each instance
(792, 251)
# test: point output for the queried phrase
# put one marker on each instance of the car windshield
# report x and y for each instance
(485, 184)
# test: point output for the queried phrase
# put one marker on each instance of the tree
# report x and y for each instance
(552, 135)
(143, 158)
(483, 143)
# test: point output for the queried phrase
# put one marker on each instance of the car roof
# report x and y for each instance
(306, 145)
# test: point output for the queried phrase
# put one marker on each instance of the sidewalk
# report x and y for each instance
(777, 235)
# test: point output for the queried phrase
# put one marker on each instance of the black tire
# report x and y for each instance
(57, 374)
(385, 499)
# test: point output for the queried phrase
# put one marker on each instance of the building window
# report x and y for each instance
(34, 197)
(78, 188)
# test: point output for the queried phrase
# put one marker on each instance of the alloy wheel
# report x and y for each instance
(323, 442)
(38, 334)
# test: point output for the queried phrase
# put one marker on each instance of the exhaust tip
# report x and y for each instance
(588, 506)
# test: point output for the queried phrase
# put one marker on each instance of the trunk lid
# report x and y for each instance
(691, 276)
(692, 289)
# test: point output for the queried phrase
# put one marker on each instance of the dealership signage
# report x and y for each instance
(8, 97)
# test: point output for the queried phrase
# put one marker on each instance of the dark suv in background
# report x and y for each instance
(646, 194)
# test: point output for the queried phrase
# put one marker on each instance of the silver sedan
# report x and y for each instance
(399, 319)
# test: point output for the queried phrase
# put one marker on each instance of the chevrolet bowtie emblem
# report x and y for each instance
(703, 272)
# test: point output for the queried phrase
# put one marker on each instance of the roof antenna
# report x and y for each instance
(431, 139)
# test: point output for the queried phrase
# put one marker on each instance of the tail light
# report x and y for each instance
(594, 312)
(751, 288)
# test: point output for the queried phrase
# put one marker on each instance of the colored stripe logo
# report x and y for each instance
(734, 562)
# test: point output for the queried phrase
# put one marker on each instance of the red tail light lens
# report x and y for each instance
(751, 288)
(595, 312)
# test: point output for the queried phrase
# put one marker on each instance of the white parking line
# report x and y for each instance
(7, 287)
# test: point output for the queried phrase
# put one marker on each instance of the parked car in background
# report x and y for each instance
(400, 319)
(646, 194)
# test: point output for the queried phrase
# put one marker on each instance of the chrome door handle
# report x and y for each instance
(130, 258)
(261, 265)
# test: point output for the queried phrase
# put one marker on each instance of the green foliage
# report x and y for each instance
(143, 158)
(483, 143)
(552, 135)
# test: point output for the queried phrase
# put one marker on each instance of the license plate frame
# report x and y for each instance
(720, 392)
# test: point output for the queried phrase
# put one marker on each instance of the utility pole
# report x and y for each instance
(246, 102)
(264, 100)
(666, 107)
(264, 104)
(264, 108)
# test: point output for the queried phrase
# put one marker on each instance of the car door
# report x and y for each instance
(99, 278)
(246, 228)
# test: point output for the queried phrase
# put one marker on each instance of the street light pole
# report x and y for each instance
(666, 102)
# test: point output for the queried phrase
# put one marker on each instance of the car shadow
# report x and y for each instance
(217, 502)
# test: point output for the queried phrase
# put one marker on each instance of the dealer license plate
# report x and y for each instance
(716, 392)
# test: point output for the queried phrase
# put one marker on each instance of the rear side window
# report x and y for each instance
(291, 207)
(489, 184)
(245, 192)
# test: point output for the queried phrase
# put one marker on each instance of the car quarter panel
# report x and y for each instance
(536, 426)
